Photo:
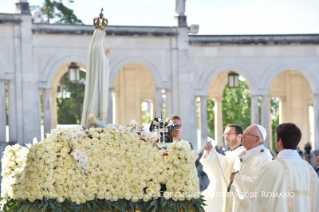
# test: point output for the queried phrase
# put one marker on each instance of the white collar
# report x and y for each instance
(244, 156)
(288, 154)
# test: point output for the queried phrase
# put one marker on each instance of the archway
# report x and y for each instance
(295, 94)
(220, 99)
(58, 93)
(132, 85)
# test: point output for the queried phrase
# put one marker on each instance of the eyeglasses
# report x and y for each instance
(246, 133)
(228, 134)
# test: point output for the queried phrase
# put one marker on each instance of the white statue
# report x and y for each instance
(180, 7)
(94, 111)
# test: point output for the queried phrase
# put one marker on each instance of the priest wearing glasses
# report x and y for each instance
(218, 167)
(237, 173)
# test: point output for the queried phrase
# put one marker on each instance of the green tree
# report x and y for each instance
(274, 109)
(236, 105)
(57, 12)
(70, 109)
(211, 118)
(146, 118)
(237, 110)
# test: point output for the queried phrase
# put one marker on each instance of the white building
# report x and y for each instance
(146, 60)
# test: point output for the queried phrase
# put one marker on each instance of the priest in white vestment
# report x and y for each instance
(97, 78)
(252, 160)
(219, 167)
(287, 183)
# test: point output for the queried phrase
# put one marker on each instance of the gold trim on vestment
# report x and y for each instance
(283, 163)
(301, 192)
(312, 181)
(298, 192)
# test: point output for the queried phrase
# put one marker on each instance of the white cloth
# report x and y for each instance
(97, 80)
(252, 162)
(218, 169)
(288, 154)
(282, 177)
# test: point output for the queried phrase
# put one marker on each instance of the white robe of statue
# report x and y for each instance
(218, 169)
(289, 174)
(97, 81)
(252, 162)
(180, 7)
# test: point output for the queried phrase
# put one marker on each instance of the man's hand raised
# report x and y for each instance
(208, 146)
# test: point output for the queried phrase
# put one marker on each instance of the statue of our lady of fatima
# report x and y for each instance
(97, 78)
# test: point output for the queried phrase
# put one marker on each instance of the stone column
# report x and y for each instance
(109, 118)
(47, 110)
(316, 121)
(203, 120)
(159, 102)
(12, 112)
(254, 109)
(265, 118)
(54, 113)
(218, 121)
(3, 112)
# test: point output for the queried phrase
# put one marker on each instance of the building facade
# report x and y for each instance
(144, 61)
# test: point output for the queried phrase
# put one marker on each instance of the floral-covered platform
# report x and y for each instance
(117, 168)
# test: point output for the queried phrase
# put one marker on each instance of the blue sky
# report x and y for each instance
(213, 16)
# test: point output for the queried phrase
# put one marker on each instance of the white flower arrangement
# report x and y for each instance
(115, 162)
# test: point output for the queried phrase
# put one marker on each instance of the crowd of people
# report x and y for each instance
(249, 178)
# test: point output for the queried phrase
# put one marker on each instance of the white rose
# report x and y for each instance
(146, 197)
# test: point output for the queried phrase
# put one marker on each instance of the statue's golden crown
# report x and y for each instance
(100, 22)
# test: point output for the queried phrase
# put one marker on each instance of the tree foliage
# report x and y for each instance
(57, 12)
(236, 107)
(70, 105)
(274, 107)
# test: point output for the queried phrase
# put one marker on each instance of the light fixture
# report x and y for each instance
(233, 80)
(74, 72)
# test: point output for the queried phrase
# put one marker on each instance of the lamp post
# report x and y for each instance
(233, 80)
(74, 72)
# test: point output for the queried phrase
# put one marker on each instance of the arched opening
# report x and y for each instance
(147, 111)
(67, 96)
(294, 92)
(227, 105)
(133, 84)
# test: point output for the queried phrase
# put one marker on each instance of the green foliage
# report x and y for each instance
(121, 205)
(237, 109)
(211, 118)
(236, 105)
(274, 107)
(146, 118)
(70, 109)
(56, 11)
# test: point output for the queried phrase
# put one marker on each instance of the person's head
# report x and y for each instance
(176, 120)
(233, 134)
(288, 136)
(253, 136)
